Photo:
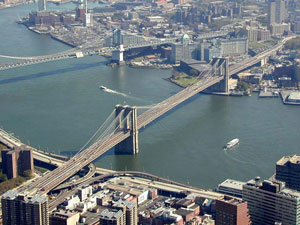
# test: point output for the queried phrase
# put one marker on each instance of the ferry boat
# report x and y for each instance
(231, 143)
(103, 87)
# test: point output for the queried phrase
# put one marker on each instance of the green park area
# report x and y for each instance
(266, 44)
(183, 79)
(293, 44)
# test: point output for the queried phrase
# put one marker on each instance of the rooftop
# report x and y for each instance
(232, 201)
(271, 185)
(295, 159)
(111, 214)
(232, 184)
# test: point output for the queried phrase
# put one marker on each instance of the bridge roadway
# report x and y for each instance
(53, 179)
(25, 61)
(257, 58)
(57, 176)
(95, 50)
(141, 177)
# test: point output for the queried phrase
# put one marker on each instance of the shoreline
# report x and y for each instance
(61, 40)
(15, 5)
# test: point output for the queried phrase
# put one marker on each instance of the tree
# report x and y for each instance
(242, 86)
(293, 44)
(28, 174)
(3, 177)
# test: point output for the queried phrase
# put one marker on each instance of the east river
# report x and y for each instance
(57, 106)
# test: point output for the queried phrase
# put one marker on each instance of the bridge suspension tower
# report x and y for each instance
(127, 122)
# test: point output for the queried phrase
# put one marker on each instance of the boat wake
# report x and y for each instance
(107, 90)
(230, 156)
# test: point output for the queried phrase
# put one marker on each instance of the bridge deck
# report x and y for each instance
(57, 176)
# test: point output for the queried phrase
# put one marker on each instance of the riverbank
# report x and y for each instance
(11, 5)
(147, 64)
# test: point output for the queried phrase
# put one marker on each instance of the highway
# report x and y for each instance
(140, 178)
(257, 58)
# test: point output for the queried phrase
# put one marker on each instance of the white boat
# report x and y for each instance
(103, 88)
(231, 143)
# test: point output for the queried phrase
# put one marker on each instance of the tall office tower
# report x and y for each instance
(42, 5)
(288, 170)
(20, 209)
(270, 202)
(280, 11)
(276, 11)
(271, 12)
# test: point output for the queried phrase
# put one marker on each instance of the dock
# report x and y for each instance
(284, 97)
(267, 94)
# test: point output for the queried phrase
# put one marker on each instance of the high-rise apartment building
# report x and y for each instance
(276, 11)
(19, 209)
(237, 46)
(16, 162)
(288, 171)
(270, 202)
(130, 210)
(231, 211)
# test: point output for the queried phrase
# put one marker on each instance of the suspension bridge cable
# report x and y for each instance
(103, 124)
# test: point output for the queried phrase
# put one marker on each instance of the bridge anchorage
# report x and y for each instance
(127, 122)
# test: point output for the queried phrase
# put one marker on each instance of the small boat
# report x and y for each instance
(231, 143)
(103, 87)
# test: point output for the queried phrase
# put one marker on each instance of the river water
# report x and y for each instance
(57, 106)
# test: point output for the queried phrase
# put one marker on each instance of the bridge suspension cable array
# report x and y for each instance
(106, 137)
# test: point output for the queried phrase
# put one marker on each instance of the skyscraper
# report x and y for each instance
(276, 11)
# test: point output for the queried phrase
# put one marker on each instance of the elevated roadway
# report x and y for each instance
(67, 169)
(57, 176)
(140, 178)
(53, 179)
(236, 68)
(74, 53)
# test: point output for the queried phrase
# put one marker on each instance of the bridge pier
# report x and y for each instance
(118, 55)
(128, 123)
(264, 61)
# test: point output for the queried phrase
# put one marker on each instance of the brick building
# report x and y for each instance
(16, 162)
(231, 211)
